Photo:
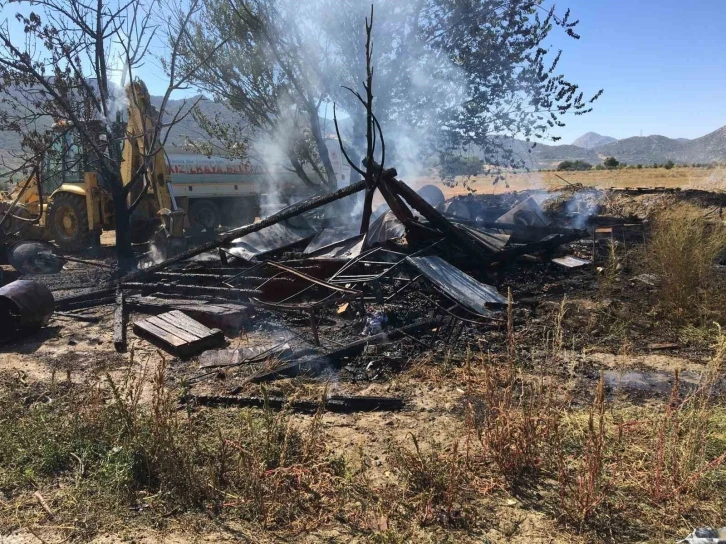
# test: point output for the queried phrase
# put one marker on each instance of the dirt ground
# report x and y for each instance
(637, 359)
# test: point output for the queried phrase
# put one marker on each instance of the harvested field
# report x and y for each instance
(709, 179)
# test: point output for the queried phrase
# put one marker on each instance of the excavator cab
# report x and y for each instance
(79, 209)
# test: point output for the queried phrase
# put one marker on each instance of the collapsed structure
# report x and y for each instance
(327, 299)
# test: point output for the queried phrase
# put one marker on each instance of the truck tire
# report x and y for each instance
(68, 221)
(204, 215)
(240, 211)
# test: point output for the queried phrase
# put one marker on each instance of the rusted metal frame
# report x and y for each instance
(354, 261)
(303, 306)
(312, 279)
(244, 273)
(414, 254)
(276, 277)
(298, 293)
(402, 289)
(457, 305)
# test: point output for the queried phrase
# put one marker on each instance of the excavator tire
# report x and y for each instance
(68, 221)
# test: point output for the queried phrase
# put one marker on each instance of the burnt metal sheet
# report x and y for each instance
(527, 213)
(345, 250)
(570, 261)
(386, 227)
(493, 239)
(273, 238)
(332, 236)
(344, 242)
(462, 288)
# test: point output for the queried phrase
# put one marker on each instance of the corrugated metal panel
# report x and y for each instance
(462, 288)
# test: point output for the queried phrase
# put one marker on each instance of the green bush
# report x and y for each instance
(668, 165)
(611, 163)
(574, 165)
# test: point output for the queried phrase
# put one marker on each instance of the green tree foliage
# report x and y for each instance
(669, 164)
(611, 163)
(574, 165)
(448, 74)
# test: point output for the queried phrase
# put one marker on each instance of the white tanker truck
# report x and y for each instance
(215, 190)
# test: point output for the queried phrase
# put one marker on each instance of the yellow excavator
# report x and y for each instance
(65, 201)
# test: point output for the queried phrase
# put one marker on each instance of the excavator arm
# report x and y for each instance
(142, 154)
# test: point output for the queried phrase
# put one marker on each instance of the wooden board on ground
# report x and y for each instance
(232, 315)
(178, 333)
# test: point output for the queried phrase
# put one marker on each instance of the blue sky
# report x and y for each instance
(662, 64)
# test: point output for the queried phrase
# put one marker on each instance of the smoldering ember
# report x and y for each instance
(354, 290)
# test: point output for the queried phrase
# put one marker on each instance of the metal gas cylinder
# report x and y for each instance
(24, 304)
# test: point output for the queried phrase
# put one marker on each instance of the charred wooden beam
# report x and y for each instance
(447, 228)
(84, 304)
(191, 289)
(289, 212)
(340, 404)
(65, 303)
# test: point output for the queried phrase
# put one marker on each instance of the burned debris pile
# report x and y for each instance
(313, 296)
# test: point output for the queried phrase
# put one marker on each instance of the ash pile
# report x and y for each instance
(314, 295)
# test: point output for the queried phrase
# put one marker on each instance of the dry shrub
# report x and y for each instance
(518, 421)
(583, 483)
(679, 455)
(435, 481)
(648, 467)
(684, 245)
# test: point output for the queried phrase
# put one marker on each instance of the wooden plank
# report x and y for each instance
(144, 327)
(172, 329)
(186, 323)
(210, 314)
(194, 326)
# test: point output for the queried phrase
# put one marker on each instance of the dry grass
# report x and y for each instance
(96, 450)
(613, 472)
(682, 250)
(610, 472)
(684, 177)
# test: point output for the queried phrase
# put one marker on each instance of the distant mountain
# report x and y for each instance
(590, 147)
(708, 148)
(636, 150)
(592, 139)
(642, 149)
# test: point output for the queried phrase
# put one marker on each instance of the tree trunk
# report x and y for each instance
(331, 181)
(124, 251)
